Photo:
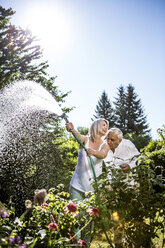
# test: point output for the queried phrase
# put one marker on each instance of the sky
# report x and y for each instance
(97, 45)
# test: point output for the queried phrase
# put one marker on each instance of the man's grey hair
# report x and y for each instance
(116, 131)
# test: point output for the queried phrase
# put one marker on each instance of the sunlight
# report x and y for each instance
(50, 26)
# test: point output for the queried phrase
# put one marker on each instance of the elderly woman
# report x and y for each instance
(97, 149)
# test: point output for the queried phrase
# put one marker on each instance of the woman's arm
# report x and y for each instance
(98, 154)
(70, 128)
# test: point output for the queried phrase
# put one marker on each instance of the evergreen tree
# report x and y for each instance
(120, 109)
(129, 114)
(136, 120)
(104, 109)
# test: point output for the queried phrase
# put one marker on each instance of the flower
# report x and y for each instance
(12, 240)
(23, 246)
(5, 214)
(72, 237)
(28, 204)
(93, 212)
(18, 239)
(52, 226)
(71, 207)
(82, 243)
(44, 205)
(115, 216)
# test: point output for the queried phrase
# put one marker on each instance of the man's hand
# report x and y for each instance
(125, 167)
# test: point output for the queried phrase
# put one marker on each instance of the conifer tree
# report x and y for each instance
(120, 109)
(129, 113)
(104, 109)
(136, 120)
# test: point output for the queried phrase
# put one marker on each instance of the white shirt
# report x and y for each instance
(125, 153)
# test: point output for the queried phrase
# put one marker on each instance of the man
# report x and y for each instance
(123, 153)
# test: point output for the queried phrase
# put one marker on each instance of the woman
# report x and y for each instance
(97, 148)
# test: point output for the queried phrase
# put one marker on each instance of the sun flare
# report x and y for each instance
(49, 25)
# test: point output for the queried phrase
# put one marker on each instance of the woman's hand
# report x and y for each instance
(90, 151)
(69, 126)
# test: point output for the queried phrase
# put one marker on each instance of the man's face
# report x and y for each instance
(113, 140)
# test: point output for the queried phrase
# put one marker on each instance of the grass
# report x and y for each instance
(100, 241)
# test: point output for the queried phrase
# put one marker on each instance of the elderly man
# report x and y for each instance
(123, 153)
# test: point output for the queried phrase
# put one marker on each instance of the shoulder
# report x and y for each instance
(129, 145)
(127, 142)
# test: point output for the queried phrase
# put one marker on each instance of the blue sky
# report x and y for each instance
(97, 45)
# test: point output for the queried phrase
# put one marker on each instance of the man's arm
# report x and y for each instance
(133, 154)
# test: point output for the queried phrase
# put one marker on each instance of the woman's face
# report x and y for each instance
(103, 128)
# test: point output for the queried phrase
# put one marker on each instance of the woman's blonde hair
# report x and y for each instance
(94, 129)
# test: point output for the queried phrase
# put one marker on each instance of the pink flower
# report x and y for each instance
(93, 212)
(71, 207)
(44, 205)
(52, 226)
(82, 243)
(72, 237)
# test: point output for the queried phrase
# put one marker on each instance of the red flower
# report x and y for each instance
(93, 212)
(71, 207)
(44, 205)
(52, 226)
(82, 243)
(72, 237)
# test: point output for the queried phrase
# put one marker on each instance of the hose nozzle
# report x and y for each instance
(64, 116)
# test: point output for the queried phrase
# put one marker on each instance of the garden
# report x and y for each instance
(135, 214)
(38, 158)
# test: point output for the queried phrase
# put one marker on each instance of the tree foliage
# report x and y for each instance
(104, 109)
(136, 119)
(127, 114)
(120, 109)
(18, 52)
(83, 130)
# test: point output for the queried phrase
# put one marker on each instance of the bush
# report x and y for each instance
(46, 225)
(133, 204)
(130, 209)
